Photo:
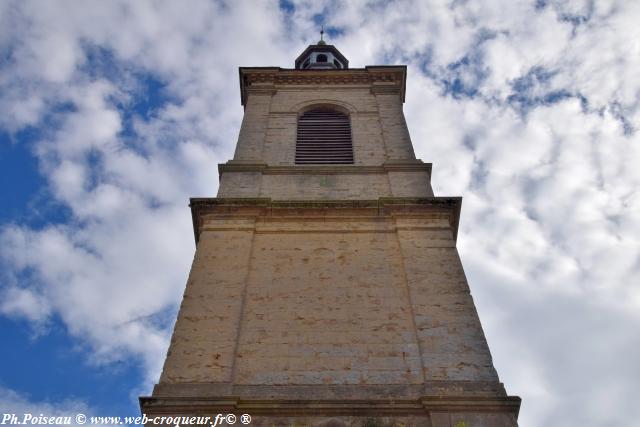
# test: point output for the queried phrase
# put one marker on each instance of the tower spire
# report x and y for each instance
(322, 42)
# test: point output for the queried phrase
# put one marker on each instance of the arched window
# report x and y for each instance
(324, 138)
(321, 58)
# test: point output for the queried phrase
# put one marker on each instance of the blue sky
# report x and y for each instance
(115, 113)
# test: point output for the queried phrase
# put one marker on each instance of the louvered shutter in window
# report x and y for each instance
(324, 137)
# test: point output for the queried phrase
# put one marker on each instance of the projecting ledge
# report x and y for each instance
(391, 207)
(389, 166)
(153, 406)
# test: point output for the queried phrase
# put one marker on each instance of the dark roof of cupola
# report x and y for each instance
(321, 47)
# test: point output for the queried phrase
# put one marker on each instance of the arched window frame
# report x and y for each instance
(324, 136)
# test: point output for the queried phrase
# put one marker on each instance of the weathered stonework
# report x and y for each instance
(329, 295)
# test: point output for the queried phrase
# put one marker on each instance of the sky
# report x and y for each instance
(115, 113)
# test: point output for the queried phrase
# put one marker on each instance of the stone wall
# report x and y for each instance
(327, 300)
(325, 183)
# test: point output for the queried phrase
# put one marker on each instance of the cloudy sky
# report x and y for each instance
(115, 113)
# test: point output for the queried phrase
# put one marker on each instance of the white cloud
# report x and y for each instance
(25, 303)
(543, 144)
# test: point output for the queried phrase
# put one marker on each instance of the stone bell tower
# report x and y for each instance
(326, 288)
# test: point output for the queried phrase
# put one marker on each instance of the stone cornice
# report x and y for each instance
(382, 79)
(425, 405)
(447, 208)
(441, 388)
(399, 166)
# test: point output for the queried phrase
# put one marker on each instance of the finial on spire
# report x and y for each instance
(322, 35)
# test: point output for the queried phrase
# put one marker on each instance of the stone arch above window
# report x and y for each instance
(323, 137)
(332, 104)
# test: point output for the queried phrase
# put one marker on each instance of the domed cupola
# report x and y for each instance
(321, 56)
